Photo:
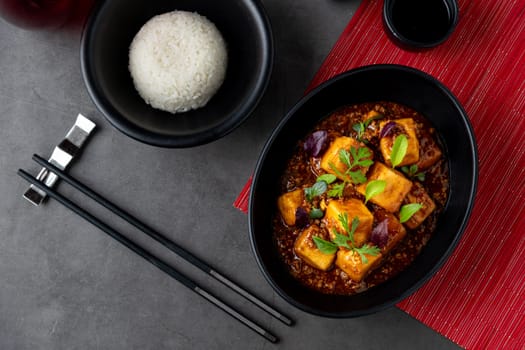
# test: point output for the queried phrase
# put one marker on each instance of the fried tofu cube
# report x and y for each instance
(288, 204)
(331, 158)
(397, 187)
(352, 208)
(307, 250)
(351, 263)
(429, 153)
(418, 194)
(406, 126)
(394, 229)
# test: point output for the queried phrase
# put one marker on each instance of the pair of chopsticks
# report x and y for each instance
(177, 249)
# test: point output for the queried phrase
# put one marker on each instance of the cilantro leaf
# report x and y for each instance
(343, 219)
(341, 240)
(355, 223)
(344, 157)
(335, 170)
(325, 246)
(353, 159)
(357, 177)
(367, 249)
(362, 152)
(366, 162)
(337, 190)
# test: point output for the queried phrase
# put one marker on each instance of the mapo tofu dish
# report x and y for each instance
(360, 197)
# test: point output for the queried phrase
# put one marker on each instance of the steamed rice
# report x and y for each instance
(178, 61)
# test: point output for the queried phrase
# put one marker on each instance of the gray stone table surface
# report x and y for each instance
(66, 285)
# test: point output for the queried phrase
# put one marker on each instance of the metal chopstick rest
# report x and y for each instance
(62, 156)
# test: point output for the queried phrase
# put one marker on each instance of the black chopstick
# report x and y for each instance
(177, 249)
(148, 256)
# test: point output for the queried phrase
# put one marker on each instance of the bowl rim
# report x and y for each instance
(215, 132)
(461, 227)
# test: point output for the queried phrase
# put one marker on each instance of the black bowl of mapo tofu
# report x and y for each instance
(363, 191)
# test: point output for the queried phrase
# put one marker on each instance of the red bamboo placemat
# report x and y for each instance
(477, 299)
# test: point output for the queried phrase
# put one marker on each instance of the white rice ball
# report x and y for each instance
(178, 61)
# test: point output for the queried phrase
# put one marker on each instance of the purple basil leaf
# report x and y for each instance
(379, 235)
(301, 217)
(387, 129)
(315, 143)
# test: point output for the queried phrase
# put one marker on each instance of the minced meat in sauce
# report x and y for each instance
(303, 169)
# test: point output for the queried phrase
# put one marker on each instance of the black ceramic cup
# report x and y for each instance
(417, 24)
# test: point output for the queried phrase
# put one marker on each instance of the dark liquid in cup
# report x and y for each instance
(36, 13)
(421, 20)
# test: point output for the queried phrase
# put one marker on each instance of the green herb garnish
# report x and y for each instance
(356, 157)
(408, 210)
(346, 240)
(359, 156)
(337, 190)
(325, 246)
(357, 177)
(373, 188)
(343, 219)
(367, 249)
(316, 213)
(341, 240)
(399, 150)
(328, 178)
(335, 170)
(413, 173)
(317, 189)
(360, 127)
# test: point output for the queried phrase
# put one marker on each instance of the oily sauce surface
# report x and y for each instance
(302, 171)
